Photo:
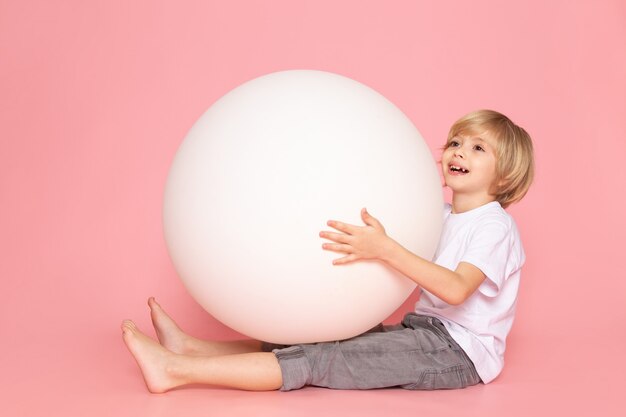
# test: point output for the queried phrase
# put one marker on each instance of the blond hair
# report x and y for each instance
(515, 167)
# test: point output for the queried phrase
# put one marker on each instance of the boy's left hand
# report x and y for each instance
(358, 242)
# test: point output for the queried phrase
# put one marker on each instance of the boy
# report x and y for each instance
(456, 336)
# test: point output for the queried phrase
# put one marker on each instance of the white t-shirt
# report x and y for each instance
(487, 238)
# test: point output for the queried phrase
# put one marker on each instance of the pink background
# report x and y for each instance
(96, 96)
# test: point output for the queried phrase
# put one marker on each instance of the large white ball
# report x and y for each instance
(254, 183)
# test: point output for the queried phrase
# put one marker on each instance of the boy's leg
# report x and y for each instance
(414, 355)
(163, 370)
(173, 338)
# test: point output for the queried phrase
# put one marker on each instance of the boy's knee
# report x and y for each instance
(294, 366)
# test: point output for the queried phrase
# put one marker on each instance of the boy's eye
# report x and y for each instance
(478, 148)
(453, 143)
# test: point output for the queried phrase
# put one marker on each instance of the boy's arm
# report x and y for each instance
(371, 242)
(453, 287)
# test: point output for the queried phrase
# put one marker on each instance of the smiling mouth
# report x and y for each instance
(457, 170)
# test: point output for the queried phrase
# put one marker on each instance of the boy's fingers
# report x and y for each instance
(346, 259)
(344, 227)
(335, 237)
(337, 247)
(368, 219)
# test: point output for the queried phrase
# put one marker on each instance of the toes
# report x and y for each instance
(128, 325)
(153, 304)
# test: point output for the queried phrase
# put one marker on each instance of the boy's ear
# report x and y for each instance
(499, 183)
(496, 186)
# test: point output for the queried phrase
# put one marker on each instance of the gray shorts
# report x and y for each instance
(418, 354)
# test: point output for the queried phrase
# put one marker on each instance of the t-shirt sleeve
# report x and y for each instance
(489, 249)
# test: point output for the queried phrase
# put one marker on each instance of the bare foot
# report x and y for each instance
(152, 358)
(168, 332)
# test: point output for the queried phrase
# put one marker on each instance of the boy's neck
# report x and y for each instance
(462, 202)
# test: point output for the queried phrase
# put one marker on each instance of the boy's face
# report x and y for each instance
(469, 164)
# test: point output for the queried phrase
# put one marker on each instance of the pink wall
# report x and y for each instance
(96, 97)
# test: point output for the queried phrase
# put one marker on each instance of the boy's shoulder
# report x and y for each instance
(489, 214)
(491, 210)
(494, 211)
(495, 214)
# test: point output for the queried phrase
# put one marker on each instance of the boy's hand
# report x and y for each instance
(357, 242)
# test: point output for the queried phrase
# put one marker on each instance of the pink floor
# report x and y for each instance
(79, 369)
(96, 96)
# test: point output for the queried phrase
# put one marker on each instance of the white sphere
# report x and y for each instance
(254, 183)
